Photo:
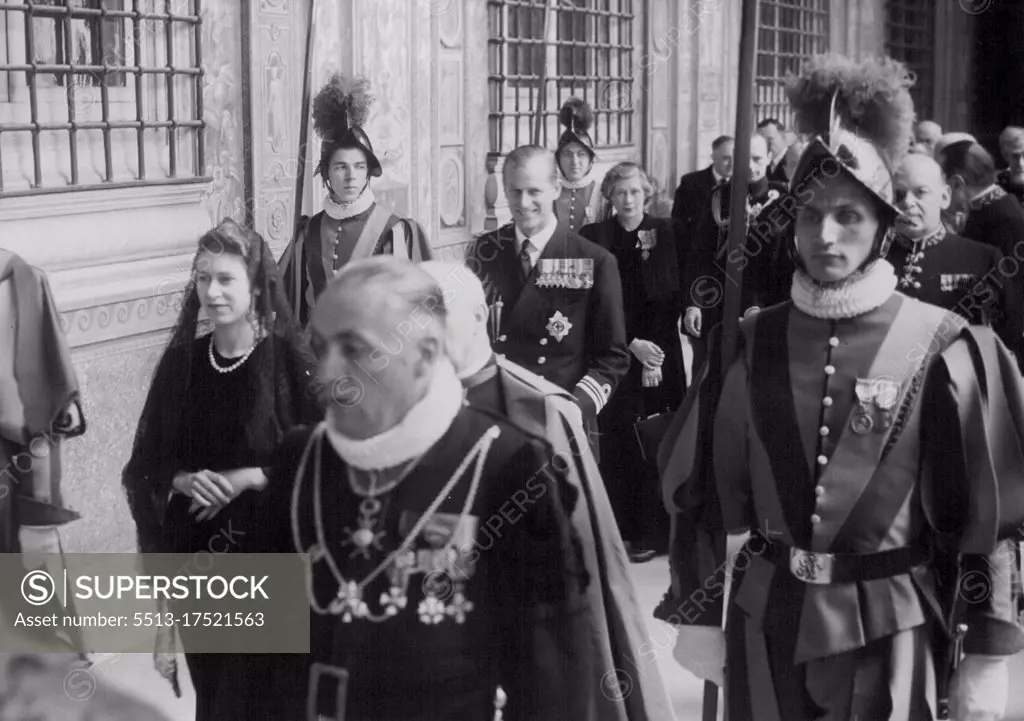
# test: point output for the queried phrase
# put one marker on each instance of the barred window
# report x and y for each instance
(910, 38)
(570, 47)
(789, 32)
(99, 93)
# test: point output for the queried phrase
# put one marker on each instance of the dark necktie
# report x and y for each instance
(524, 259)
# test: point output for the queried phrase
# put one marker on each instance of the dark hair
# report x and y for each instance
(524, 154)
(771, 121)
(721, 139)
(970, 161)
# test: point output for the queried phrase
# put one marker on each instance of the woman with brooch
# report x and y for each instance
(864, 449)
(352, 225)
(648, 259)
(218, 406)
(580, 201)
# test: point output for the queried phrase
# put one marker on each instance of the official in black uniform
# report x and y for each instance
(994, 217)
(944, 269)
(555, 298)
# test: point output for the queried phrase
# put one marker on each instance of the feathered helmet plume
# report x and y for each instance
(860, 115)
(340, 110)
(576, 116)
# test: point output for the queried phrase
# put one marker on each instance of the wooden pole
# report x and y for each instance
(737, 227)
(304, 119)
(740, 178)
(538, 119)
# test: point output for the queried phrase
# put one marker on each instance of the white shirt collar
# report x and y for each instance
(714, 173)
(537, 242)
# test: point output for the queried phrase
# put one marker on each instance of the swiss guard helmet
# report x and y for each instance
(576, 116)
(339, 111)
(860, 117)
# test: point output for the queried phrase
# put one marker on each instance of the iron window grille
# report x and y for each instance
(588, 51)
(789, 32)
(910, 38)
(99, 93)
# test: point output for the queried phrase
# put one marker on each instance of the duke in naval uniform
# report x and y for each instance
(850, 436)
(555, 297)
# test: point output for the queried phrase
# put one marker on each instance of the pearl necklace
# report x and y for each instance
(234, 366)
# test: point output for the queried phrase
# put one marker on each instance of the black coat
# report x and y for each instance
(999, 223)
(652, 303)
(573, 337)
(691, 200)
(764, 259)
(967, 277)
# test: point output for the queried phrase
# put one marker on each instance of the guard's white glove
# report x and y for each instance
(701, 651)
(692, 321)
(980, 688)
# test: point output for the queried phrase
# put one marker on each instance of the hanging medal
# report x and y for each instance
(862, 422)
(645, 241)
(885, 393)
(365, 537)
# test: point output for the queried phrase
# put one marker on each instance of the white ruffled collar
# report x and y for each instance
(860, 293)
(341, 211)
(582, 182)
(423, 426)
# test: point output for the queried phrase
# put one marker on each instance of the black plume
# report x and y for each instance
(576, 114)
(340, 104)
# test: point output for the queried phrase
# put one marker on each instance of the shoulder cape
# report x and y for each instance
(613, 620)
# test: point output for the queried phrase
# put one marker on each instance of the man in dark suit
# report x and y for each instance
(773, 133)
(945, 269)
(705, 275)
(555, 298)
(694, 191)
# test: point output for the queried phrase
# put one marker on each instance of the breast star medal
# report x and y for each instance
(558, 326)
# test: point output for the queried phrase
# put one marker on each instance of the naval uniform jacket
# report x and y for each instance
(941, 477)
(575, 337)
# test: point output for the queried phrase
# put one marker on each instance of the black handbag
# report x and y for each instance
(650, 431)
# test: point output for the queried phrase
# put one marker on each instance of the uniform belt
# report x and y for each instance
(826, 568)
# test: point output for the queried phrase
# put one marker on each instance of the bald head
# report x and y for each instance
(466, 305)
(1011, 147)
(921, 193)
(926, 135)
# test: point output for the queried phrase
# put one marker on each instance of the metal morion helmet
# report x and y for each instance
(576, 116)
(339, 111)
(860, 116)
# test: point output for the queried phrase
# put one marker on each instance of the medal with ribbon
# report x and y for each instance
(862, 422)
(569, 273)
(645, 241)
(885, 392)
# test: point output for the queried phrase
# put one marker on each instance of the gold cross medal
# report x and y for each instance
(558, 326)
(646, 239)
